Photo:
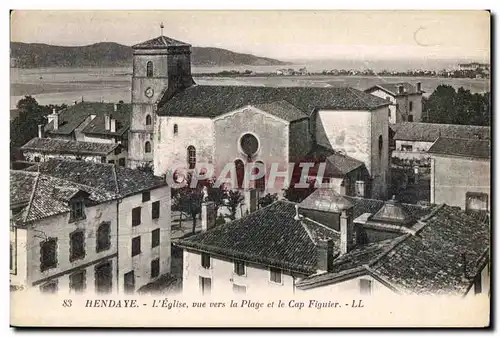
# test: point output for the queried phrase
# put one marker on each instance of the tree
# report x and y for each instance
(445, 105)
(268, 199)
(216, 194)
(234, 200)
(188, 200)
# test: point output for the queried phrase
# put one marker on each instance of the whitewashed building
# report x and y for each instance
(128, 210)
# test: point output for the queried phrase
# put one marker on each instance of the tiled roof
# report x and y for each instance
(160, 42)
(432, 261)
(337, 164)
(429, 262)
(462, 147)
(211, 101)
(283, 110)
(48, 195)
(269, 236)
(55, 145)
(429, 132)
(392, 88)
(74, 115)
(109, 177)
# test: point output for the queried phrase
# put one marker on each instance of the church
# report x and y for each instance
(176, 121)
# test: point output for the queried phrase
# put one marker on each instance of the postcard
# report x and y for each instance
(250, 168)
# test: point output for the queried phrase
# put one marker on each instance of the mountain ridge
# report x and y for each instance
(112, 54)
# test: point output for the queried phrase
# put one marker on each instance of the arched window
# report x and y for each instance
(240, 172)
(260, 183)
(149, 69)
(411, 106)
(147, 147)
(148, 120)
(380, 145)
(191, 152)
(176, 129)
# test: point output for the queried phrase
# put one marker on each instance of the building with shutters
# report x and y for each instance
(87, 226)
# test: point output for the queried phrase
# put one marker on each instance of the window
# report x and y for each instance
(410, 118)
(205, 285)
(240, 172)
(37, 159)
(146, 196)
(148, 120)
(155, 212)
(380, 145)
(136, 216)
(249, 144)
(48, 254)
(388, 98)
(77, 245)
(103, 237)
(205, 260)
(476, 201)
(76, 211)
(129, 282)
(239, 268)
(78, 158)
(77, 281)
(191, 157)
(389, 109)
(136, 246)
(103, 160)
(407, 148)
(111, 162)
(11, 257)
(155, 238)
(275, 275)
(149, 69)
(478, 287)
(176, 129)
(365, 287)
(49, 288)
(237, 289)
(155, 268)
(121, 162)
(410, 108)
(260, 183)
(147, 147)
(104, 277)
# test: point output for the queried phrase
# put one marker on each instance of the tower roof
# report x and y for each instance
(161, 42)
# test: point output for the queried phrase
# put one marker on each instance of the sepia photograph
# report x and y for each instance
(250, 168)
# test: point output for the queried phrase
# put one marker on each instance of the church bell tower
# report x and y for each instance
(161, 67)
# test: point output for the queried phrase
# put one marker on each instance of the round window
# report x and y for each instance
(249, 144)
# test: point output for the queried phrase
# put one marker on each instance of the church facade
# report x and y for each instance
(177, 123)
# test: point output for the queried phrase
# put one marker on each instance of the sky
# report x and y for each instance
(284, 35)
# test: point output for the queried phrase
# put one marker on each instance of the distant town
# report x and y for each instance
(465, 70)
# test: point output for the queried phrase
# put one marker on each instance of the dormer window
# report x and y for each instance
(77, 210)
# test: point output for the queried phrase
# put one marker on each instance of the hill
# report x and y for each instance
(110, 54)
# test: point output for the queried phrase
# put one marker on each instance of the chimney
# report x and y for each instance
(297, 215)
(324, 255)
(40, 130)
(401, 89)
(346, 231)
(419, 87)
(112, 126)
(106, 122)
(208, 215)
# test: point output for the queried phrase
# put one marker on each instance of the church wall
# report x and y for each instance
(347, 131)
(271, 132)
(172, 149)
(300, 139)
(379, 157)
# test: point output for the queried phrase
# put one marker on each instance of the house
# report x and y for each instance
(460, 173)
(93, 122)
(42, 149)
(344, 245)
(137, 216)
(405, 99)
(413, 140)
